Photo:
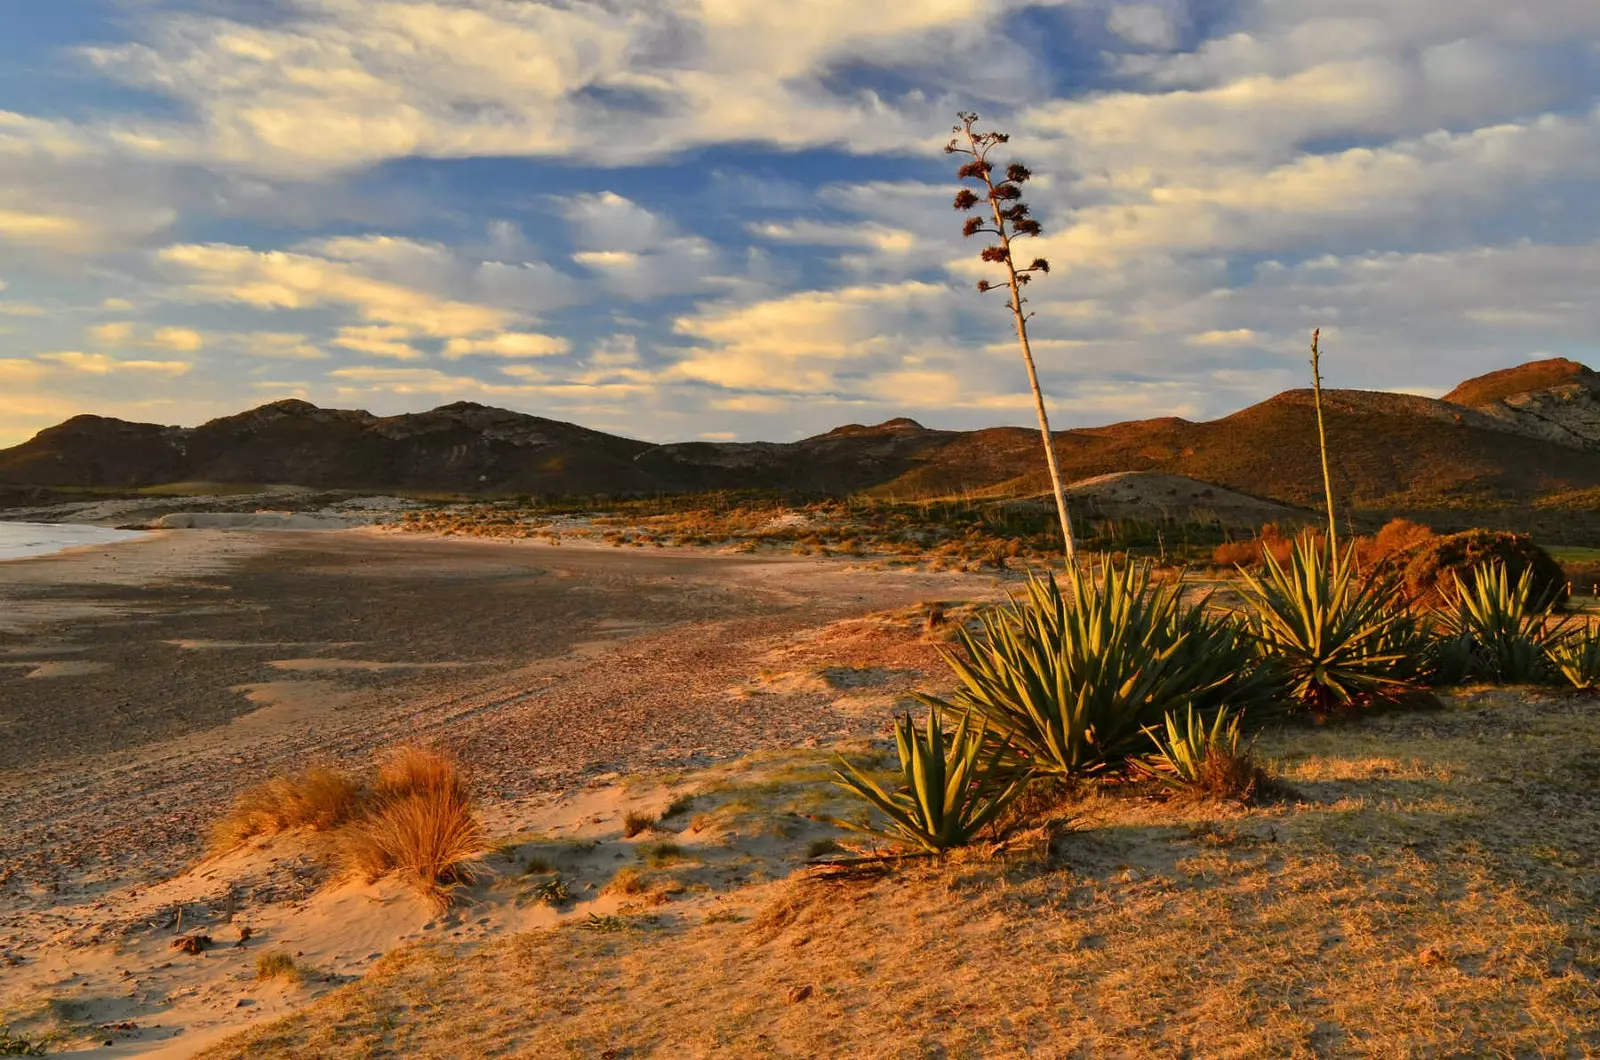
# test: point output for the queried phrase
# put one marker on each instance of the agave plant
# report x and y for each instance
(1337, 636)
(1069, 675)
(1203, 759)
(951, 789)
(1506, 624)
(1576, 657)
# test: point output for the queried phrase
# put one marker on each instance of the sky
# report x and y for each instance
(731, 219)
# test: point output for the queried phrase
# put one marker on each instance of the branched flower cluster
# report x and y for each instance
(1009, 215)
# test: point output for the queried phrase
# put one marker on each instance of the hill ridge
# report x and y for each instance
(1390, 450)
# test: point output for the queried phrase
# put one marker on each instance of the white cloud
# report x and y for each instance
(100, 364)
(379, 341)
(180, 340)
(1143, 24)
(507, 344)
(285, 280)
(278, 346)
(804, 342)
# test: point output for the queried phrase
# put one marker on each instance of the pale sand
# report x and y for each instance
(170, 672)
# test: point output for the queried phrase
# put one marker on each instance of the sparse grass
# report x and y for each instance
(1414, 902)
(635, 822)
(276, 964)
(318, 798)
(677, 806)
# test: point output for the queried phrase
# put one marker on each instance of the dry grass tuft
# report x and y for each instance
(275, 964)
(318, 798)
(635, 823)
(411, 770)
(1225, 774)
(421, 825)
(627, 881)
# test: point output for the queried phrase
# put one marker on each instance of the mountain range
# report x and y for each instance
(1522, 435)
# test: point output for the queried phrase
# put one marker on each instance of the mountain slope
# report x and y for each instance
(1389, 451)
(1557, 400)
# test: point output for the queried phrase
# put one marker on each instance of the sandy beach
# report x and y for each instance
(144, 683)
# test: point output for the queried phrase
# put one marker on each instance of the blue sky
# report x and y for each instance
(731, 218)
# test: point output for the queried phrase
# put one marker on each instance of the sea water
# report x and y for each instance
(38, 539)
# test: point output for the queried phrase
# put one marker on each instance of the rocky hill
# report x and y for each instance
(1557, 400)
(1504, 439)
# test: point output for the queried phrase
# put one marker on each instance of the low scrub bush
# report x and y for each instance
(1505, 622)
(1272, 541)
(1337, 635)
(1205, 761)
(949, 791)
(318, 798)
(1071, 675)
(1576, 657)
(1432, 570)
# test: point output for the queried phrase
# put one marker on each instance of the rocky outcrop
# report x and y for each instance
(1556, 400)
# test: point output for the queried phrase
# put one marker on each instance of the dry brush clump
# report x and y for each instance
(420, 823)
(317, 798)
(414, 817)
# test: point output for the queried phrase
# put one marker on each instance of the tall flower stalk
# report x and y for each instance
(1008, 219)
(1322, 436)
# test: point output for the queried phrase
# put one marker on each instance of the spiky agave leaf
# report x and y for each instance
(1505, 622)
(1070, 674)
(1185, 743)
(1576, 657)
(1333, 633)
(951, 789)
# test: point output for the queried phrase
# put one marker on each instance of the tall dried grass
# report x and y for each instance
(317, 798)
(420, 824)
(416, 818)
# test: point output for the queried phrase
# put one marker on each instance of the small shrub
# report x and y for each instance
(1213, 762)
(276, 964)
(551, 892)
(318, 798)
(636, 823)
(1576, 658)
(16, 1045)
(677, 806)
(948, 795)
(1396, 537)
(1504, 621)
(1432, 569)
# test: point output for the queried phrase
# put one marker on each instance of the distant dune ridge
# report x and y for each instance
(1506, 438)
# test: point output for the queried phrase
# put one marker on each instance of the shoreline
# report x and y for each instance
(142, 687)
